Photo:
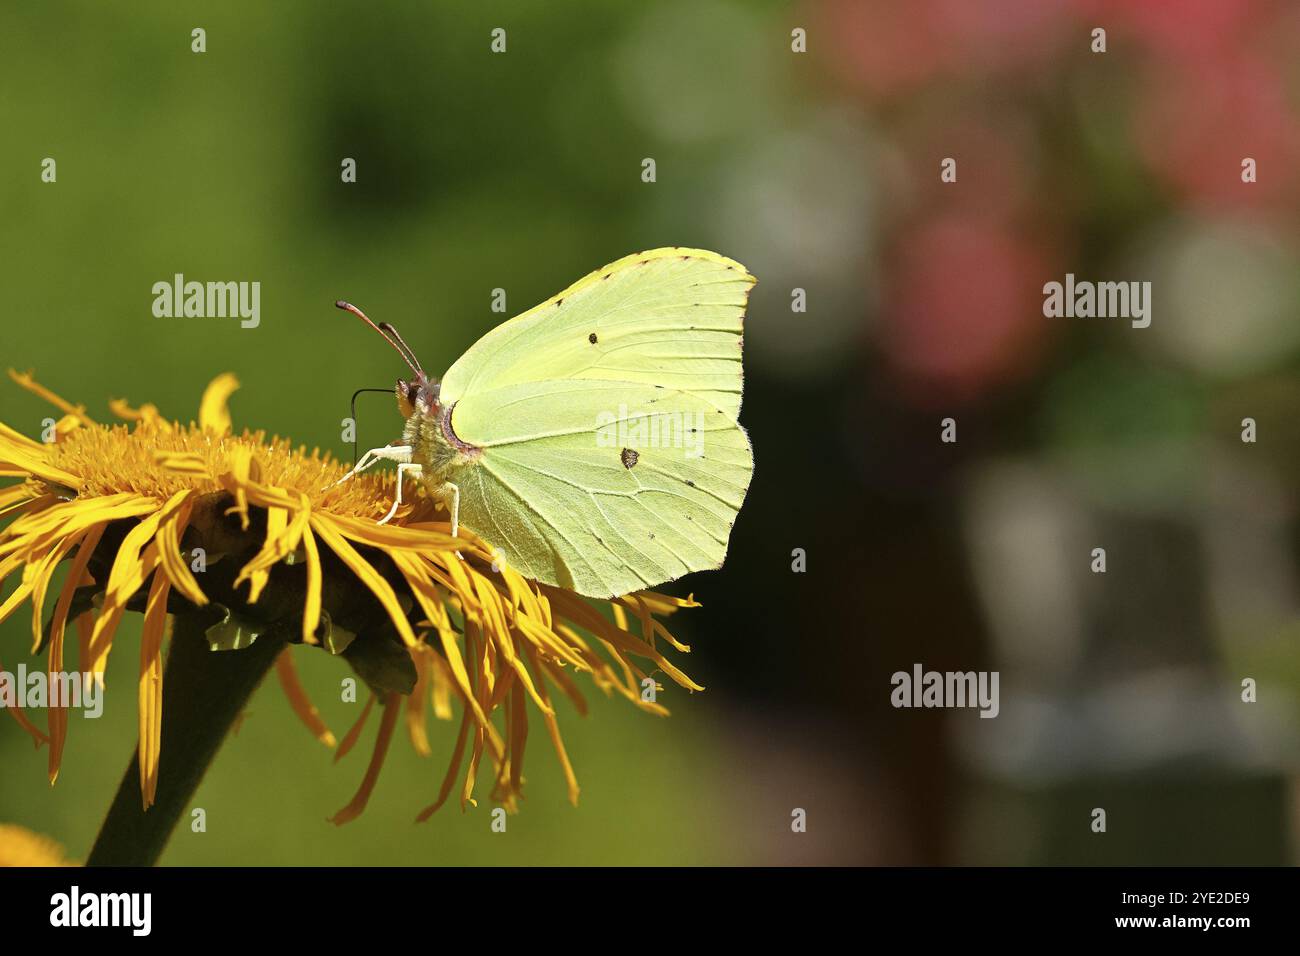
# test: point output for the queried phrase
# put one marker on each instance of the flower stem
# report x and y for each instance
(204, 691)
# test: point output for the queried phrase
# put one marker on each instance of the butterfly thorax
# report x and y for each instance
(434, 444)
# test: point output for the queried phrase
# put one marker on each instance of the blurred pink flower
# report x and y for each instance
(997, 163)
(1178, 28)
(1195, 122)
(890, 47)
(963, 311)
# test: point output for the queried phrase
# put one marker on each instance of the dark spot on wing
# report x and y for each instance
(606, 275)
(559, 302)
(691, 483)
(652, 535)
(628, 457)
(592, 338)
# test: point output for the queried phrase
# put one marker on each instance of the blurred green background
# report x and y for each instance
(819, 171)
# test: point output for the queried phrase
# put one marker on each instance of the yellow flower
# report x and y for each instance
(134, 506)
(21, 847)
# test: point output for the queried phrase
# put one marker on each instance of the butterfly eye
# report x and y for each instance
(405, 392)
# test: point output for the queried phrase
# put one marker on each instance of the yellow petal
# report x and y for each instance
(214, 415)
(110, 615)
(518, 714)
(18, 494)
(311, 602)
(189, 463)
(150, 689)
(553, 729)
(16, 712)
(354, 733)
(457, 666)
(416, 727)
(147, 414)
(25, 380)
(353, 809)
(298, 699)
(453, 769)
(85, 629)
(66, 425)
(275, 547)
(9, 438)
(170, 557)
(371, 578)
(440, 692)
(397, 537)
(243, 470)
(71, 517)
(58, 716)
(16, 460)
(128, 573)
(41, 584)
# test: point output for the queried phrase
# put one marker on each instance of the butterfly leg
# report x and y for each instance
(403, 469)
(397, 453)
(449, 495)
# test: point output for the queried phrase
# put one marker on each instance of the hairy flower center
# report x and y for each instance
(153, 461)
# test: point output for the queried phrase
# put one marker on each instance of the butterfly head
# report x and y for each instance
(418, 394)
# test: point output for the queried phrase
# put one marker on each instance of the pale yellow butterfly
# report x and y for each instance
(593, 441)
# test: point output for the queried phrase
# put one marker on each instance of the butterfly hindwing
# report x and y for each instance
(605, 487)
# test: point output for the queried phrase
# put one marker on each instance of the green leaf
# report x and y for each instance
(333, 636)
(382, 661)
(231, 632)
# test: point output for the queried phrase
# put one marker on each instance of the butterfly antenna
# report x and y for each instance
(392, 339)
(410, 355)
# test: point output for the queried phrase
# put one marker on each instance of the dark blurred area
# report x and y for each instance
(821, 172)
